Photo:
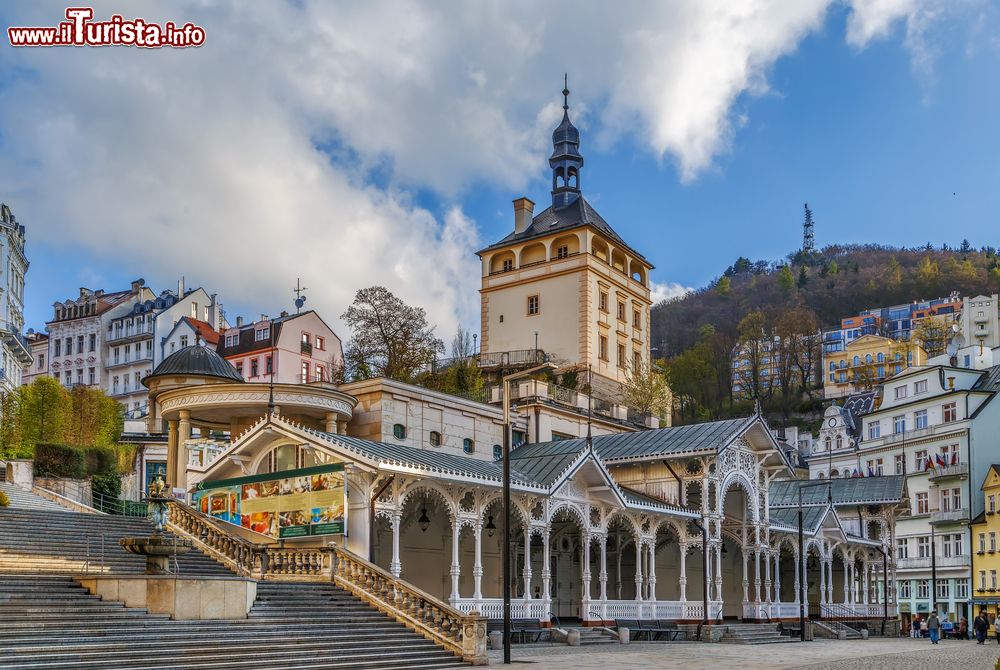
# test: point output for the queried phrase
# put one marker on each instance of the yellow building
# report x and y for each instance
(867, 362)
(564, 282)
(985, 550)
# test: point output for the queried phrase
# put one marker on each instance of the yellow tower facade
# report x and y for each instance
(564, 281)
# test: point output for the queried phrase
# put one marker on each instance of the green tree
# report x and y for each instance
(388, 337)
(646, 390)
(834, 268)
(724, 286)
(786, 280)
(803, 277)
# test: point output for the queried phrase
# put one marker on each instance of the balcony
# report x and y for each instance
(306, 348)
(951, 516)
(129, 335)
(19, 346)
(930, 431)
(131, 361)
(925, 563)
(957, 471)
(981, 319)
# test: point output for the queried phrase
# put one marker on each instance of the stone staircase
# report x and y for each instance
(51, 623)
(831, 629)
(21, 499)
(35, 538)
(754, 633)
(593, 636)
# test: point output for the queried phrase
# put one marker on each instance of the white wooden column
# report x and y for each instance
(800, 565)
(718, 573)
(638, 569)
(756, 577)
(395, 567)
(585, 569)
(767, 579)
(546, 570)
(603, 575)
(477, 568)
(651, 580)
(526, 573)
(822, 581)
(746, 580)
(777, 576)
(847, 582)
(683, 574)
(456, 566)
(829, 581)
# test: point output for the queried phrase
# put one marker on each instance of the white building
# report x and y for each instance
(133, 338)
(15, 352)
(936, 425)
(76, 334)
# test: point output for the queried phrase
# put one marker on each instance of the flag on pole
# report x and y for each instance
(940, 461)
(871, 473)
(954, 458)
(928, 463)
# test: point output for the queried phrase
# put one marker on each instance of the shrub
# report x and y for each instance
(4, 500)
(60, 460)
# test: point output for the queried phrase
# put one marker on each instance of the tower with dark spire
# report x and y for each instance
(808, 239)
(565, 160)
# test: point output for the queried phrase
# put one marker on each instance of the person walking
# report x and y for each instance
(934, 627)
(980, 626)
(963, 629)
(915, 627)
(996, 629)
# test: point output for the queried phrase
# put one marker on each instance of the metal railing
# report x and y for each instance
(118, 507)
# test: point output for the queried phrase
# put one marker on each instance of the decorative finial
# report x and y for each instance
(565, 91)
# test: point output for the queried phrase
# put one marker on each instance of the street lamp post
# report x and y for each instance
(506, 498)
(802, 556)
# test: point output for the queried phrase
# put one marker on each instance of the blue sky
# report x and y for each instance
(243, 170)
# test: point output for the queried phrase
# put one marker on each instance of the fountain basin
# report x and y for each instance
(158, 551)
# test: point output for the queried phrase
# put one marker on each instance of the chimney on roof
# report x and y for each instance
(239, 321)
(284, 313)
(263, 317)
(180, 287)
(137, 284)
(523, 208)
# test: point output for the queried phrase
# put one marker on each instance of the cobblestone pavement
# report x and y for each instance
(902, 654)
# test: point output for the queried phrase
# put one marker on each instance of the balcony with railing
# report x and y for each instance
(518, 358)
(960, 515)
(18, 344)
(924, 563)
(929, 431)
(957, 471)
(133, 360)
(122, 335)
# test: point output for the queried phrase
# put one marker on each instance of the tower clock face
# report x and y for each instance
(832, 422)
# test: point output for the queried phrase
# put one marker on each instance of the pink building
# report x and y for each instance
(301, 348)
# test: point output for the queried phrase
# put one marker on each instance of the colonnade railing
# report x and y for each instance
(246, 558)
(605, 610)
(460, 632)
(463, 633)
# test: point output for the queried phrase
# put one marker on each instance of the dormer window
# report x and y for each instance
(261, 334)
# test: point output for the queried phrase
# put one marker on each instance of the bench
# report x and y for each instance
(653, 629)
(521, 630)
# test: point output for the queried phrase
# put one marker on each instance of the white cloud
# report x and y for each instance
(250, 161)
(667, 291)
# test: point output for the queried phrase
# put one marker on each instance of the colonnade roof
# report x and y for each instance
(888, 489)
(697, 438)
(812, 518)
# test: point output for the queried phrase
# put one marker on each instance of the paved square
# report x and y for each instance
(894, 654)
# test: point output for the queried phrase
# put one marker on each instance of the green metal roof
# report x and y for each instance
(546, 460)
(849, 491)
(812, 518)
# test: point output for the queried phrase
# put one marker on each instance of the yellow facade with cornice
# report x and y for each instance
(986, 549)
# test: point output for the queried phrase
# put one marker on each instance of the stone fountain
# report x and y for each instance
(157, 548)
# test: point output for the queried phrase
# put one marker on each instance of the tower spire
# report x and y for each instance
(565, 160)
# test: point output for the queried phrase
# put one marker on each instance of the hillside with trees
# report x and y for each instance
(792, 299)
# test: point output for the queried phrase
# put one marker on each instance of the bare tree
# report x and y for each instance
(389, 337)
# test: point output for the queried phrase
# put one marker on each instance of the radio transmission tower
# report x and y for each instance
(808, 240)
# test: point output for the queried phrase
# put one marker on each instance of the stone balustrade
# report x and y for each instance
(464, 634)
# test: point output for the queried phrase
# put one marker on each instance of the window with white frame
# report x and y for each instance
(993, 580)
(993, 542)
(943, 588)
(982, 543)
(991, 505)
(923, 547)
(875, 467)
(874, 430)
(900, 463)
(920, 387)
(900, 392)
(919, 460)
(261, 334)
(920, 419)
(232, 340)
(949, 412)
(904, 588)
(921, 506)
(899, 423)
(902, 548)
(923, 588)
(950, 454)
(961, 589)
(951, 499)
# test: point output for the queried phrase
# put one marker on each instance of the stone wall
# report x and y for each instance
(186, 598)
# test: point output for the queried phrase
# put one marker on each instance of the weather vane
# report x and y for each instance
(298, 291)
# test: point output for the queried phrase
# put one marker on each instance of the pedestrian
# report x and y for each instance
(915, 627)
(996, 629)
(934, 627)
(923, 628)
(963, 629)
(980, 626)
